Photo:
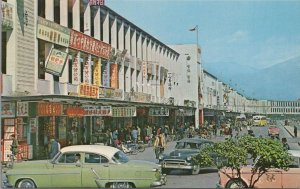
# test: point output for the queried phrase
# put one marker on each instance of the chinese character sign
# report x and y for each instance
(114, 76)
(76, 69)
(87, 71)
(55, 62)
(96, 2)
(86, 90)
(97, 72)
(106, 74)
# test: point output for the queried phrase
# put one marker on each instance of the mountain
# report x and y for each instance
(278, 82)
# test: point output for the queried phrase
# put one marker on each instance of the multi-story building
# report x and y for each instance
(72, 71)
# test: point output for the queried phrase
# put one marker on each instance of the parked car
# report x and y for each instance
(274, 178)
(273, 131)
(64, 170)
(181, 157)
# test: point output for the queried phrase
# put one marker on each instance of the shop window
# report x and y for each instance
(41, 8)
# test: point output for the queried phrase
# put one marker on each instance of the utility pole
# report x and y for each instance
(1, 169)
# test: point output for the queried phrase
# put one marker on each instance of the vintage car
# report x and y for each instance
(274, 178)
(111, 165)
(181, 157)
(273, 131)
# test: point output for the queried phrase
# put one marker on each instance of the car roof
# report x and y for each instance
(195, 140)
(99, 149)
(294, 153)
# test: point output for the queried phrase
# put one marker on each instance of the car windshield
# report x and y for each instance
(187, 145)
(120, 157)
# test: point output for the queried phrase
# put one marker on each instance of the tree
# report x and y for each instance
(264, 153)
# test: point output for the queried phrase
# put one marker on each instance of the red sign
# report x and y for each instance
(114, 76)
(49, 109)
(75, 111)
(90, 45)
(96, 2)
(86, 90)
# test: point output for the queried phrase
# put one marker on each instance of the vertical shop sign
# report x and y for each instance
(105, 74)
(97, 73)
(22, 109)
(114, 76)
(169, 80)
(144, 68)
(76, 69)
(87, 71)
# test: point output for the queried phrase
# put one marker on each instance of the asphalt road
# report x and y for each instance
(206, 178)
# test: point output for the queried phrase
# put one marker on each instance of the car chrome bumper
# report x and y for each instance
(160, 182)
(176, 166)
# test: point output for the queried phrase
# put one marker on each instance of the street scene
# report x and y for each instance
(144, 94)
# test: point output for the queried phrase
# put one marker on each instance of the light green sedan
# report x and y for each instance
(87, 166)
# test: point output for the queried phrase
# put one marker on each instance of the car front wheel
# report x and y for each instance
(26, 183)
(236, 183)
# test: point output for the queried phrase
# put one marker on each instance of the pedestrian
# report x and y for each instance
(54, 147)
(114, 136)
(134, 134)
(295, 131)
(159, 145)
(14, 146)
(285, 144)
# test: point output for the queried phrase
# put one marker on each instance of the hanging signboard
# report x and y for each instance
(86, 90)
(105, 74)
(55, 62)
(87, 77)
(114, 76)
(22, 109)
(159, 111)
(97, 73)
(49, 109)
(98, 111)
(52, 32)
(89, 44)
(124, 112)
(76, 69)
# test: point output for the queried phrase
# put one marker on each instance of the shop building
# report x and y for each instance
(71, 70)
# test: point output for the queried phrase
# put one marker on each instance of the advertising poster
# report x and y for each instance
(22, 109)
(55, 62)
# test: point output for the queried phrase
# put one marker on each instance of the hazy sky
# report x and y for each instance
(258, 33)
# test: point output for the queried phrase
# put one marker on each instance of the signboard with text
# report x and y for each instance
(97, 72)
(114, 76)
(159, 111)
(98, 111)
(55, 62)
(96, 2)
(87, 90)
(124, 112)
(52, 32)
(89, 44)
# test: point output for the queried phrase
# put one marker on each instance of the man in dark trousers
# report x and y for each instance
(295, 131)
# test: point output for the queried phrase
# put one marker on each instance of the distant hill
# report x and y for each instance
(278, 82)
